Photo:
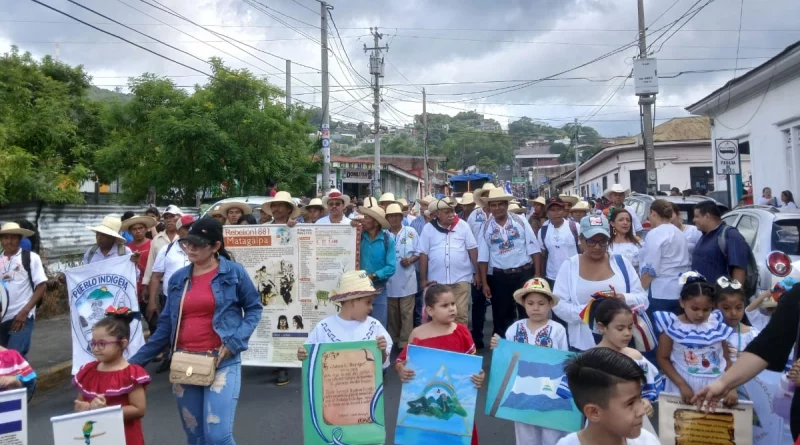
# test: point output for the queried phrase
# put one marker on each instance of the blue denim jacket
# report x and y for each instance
(236, 314)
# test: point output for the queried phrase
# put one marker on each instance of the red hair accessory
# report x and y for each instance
(121, 311)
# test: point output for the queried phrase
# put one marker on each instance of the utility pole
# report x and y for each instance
(577, 158)
(326, 92)
(376, 70)
(289, 88)
(645, 102)
(425, 140)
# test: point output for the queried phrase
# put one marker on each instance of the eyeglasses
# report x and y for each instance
(100, 345)
(186, 245)
(594, 243)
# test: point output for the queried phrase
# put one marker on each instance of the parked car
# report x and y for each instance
(773, 236)
(641, 205)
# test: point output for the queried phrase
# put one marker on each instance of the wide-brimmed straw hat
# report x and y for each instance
(281, 197)
(535, 285)
(387, 198)
(352, 286)
(336, 194)
(110, 226)
(539, 200)
(440, 204)
(426, 200)
(496, 195)
(468, 199)
(12, 228)
(243, 206)
(373, 210)
(515, 208)
(217, 212)
(148, 221)
(481, 192)
(581, 205)
(616, 188)
(402, 202)
(316, 202)
(569, 199)
(394, 209)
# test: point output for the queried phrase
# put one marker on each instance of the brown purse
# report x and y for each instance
(187, 368)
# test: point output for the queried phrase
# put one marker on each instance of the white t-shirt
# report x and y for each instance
(693, 235)
(335, 329)
(645, 438)
(665, 256)
(327, 220)
(448, 253)
(476, 220)
(98, 255)
(560, 246)
(169, 263)
(15, 278)
(509, 246)
(404, 281)
(550, 335)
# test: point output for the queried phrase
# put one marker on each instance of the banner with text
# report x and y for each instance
(294, 270)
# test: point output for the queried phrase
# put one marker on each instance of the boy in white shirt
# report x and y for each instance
(355, 294)
(607, 387)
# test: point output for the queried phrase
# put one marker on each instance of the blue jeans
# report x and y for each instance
(380, 308)
(207, 412)
(18, 341)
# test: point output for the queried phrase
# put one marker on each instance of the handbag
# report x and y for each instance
(187, 368)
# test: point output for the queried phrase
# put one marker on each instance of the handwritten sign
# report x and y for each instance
(348, 384)
(681, 423)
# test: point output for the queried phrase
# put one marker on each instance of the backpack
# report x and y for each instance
(573, 227)
(751, 273)
(120, 250)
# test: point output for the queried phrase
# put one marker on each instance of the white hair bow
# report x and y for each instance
(688, 277)
(724, 282)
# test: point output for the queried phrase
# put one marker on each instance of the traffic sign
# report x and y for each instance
(326, 142)
(518, 180)
(727, 156)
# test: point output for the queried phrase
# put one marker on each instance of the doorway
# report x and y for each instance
(639, 181)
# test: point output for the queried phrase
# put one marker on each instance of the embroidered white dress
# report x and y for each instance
(697, 353)
(738, 341)
(335, 329)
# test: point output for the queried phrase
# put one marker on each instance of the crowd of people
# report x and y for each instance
(556, 273)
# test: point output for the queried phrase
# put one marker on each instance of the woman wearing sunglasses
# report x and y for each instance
(219, 308)
(594, 273)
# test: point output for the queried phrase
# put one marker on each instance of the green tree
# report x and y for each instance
(558, 148)
(487, 165)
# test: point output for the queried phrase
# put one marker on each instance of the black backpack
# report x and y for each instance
(751, 273)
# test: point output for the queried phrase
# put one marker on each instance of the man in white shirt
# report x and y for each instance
(24, 279)
(170, 234)
(110, 244)
(449, 255)
(507, 246)
(558, 238)
(335, 201)
(616, 194)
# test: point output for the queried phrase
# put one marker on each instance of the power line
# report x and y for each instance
(739, 36)
(306, 7)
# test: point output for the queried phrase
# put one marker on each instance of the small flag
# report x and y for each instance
(541, 387)
(11, 416)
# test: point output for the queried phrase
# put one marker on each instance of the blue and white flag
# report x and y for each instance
(508, 188)
(14, 416)
(540, 387)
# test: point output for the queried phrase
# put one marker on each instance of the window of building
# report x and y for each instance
(616, 178)
(702, 178)
(605, 183)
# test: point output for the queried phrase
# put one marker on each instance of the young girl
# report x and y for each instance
(111, 380)
(691, 349)
(539, 330)
(730, 301)
(442, 332)
(614, 320)
(15, 372)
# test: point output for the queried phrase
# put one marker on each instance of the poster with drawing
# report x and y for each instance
(294, 270)
(96, 427)
(679, 423)
(343, 394)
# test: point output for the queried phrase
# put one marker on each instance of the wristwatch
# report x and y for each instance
(373, 277)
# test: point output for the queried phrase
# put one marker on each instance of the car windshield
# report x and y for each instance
(786, 236)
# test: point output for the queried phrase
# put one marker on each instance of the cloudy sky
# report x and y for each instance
(469, 54)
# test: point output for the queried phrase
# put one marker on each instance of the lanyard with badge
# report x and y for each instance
(8, 274)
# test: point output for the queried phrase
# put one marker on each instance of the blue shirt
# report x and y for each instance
(378, 256)
(711, 262)
(419, 223)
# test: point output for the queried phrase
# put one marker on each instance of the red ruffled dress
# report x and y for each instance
(115, 386)
(460, 340)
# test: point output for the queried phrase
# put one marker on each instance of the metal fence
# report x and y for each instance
(62, 227)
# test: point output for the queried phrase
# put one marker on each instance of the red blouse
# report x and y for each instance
(197, 332)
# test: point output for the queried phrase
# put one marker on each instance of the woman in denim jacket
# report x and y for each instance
(220, 311)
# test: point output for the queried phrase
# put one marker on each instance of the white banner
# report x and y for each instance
(96, 427)
(14, 417)
(93, 288)
(768, 427)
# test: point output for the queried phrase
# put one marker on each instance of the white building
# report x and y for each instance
(761, 109)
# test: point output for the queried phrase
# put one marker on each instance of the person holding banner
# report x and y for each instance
(110, 244)
(335, 202)
(219, 308)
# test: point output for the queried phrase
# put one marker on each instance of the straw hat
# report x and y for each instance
(495, 195)
(281, 197)
(353, 285)
(535, 285)
(426, 200)
(148, 222)
(616, 188)
(572, 200)
(372, 209)
(316, 202)
(581, 205)
(12, 228)
(515, 208)
(394, 209)
(387, 198)
(539, 200)
(481, 192)
(450, 200)
(243, 206)
(336, 194)
(217, 212)
(402, 202)
(440, 204)
(109, 226)
(468, 199)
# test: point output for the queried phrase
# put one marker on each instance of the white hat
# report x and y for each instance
(581, 205)
(373, 210)
(616, 188)
(539, 200)
(353, 285)
(402, 202)
(515, 208)
(440, 204)
(394, 209)
(173, 210)
(110, 226)
(426, 200)
(243, 206)
(467, 199)
(336, 194)
(316, 202)
(148, 222)
(495, 195)
(387, 197)
(281, 197)
(535, 285)
(12, 228)
(571, 200)
(478, 195)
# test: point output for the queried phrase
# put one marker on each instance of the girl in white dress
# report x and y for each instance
(623, 241)
(730, 301)
(691, 346)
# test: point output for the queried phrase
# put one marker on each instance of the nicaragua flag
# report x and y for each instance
(11, 416)
(539, 387)
(508, 188)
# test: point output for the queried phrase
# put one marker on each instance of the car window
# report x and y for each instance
(786, 236)
(636, 205)
(729, 220)
(748, 227)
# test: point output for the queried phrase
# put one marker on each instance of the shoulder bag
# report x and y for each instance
(187, 368)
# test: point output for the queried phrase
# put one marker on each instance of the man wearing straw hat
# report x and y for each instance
(336, 202)
(468, 205)
(138, 226)
(314, 211)
(110, 244)
(479, 302)
(377, 253)
(25, 281)
(234, 211)
(616, 195)
(282, 209)
(419, 222)
(507, 246)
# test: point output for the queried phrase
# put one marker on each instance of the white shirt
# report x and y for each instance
(789, 205)
(159, 241)
(327, 220)
(15, 279)
(665, 256)
(404, 281)
(169, 262)
(509, 246)
(758, 319)
(645, 438)
(448, 253)
(550, 335)
(98, 255)
(476, 220)
(560, 246)
(336, 329)
(636, 223)
(692, 235)
(410, 218)
(628, 250)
